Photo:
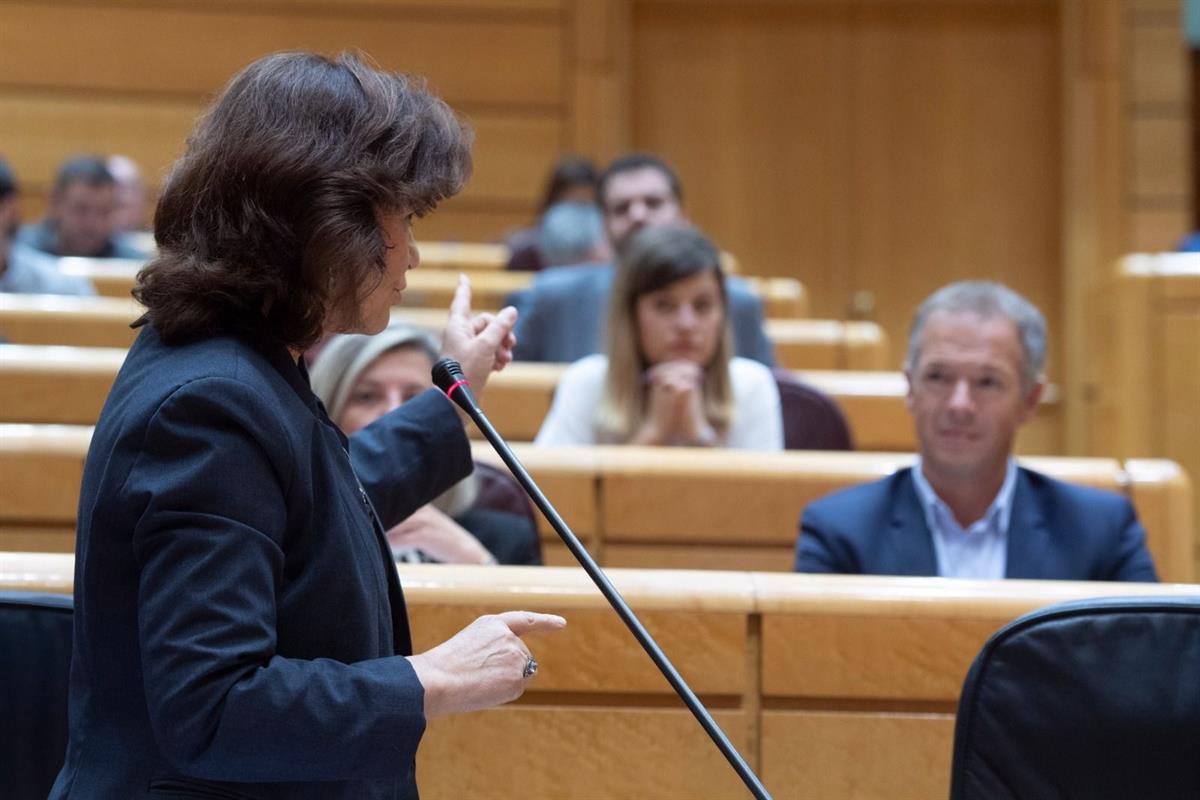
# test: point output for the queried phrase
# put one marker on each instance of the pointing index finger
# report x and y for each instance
(460, 306)
(523, 622)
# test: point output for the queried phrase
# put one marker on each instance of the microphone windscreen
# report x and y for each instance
(446, 373)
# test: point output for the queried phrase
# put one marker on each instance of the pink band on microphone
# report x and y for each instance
(455, 385)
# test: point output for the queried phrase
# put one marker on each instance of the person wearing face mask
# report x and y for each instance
(667, 377)
(484, 518)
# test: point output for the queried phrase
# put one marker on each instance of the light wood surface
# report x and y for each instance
(1149, 384)
(783, 298)
(104, 322)
(67, 385)
(833, 686)
(625, 501)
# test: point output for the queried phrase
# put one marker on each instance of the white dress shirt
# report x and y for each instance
(979, 550)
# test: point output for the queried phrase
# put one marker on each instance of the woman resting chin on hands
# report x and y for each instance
(667, 377)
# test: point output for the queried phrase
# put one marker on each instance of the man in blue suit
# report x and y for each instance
(965, 509)
(562, 314)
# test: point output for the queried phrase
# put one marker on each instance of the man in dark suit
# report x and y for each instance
(965, 509)
(562, 314)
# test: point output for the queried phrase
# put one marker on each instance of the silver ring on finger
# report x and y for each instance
(531, 668)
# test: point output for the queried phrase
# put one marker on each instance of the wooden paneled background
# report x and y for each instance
(873, 148)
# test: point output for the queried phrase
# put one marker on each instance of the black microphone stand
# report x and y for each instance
(448, 376)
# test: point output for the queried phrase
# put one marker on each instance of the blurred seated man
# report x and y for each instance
(23, 270)
(570, 234)
(129, 214)
(80, 221)
(966, 510)
(562, 313)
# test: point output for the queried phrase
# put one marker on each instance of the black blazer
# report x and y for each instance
(239, 625)
(1056, 531)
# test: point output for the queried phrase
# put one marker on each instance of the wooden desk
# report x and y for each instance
(433, 288)
(628, 503)
(790, 665)
(66, 385)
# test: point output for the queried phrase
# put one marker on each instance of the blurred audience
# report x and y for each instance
(965, 509)
(485, 518)
(24, 270)
(562, 313)
(129, 215)
(81, 219)
(572, 233)
(668, 377)
(572, 180)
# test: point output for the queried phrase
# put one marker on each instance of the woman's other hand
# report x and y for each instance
(434, 533)
(480, 343)
(481, 666)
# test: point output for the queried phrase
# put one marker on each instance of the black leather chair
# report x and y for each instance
(35, 658)
(1092, 699)
(812, 419)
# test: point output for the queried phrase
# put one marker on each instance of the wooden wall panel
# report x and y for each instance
(131, 76)
(194, 50)
(956, 154)
(40, 130)
(1159, 153)
(526, 751)
(918, 141)
(815, 754)
(766, 98)
(1158, 66)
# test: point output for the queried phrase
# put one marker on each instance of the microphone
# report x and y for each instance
(448, 376)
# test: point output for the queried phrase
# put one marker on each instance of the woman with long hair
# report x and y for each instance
(240, 629)
(667, 377)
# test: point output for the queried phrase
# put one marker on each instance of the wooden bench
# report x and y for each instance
(635, 506)
(104, 322)
(830, 686)
(783, 298)
(67, 385)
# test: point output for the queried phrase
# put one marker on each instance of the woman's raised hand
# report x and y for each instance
(481, 343)
(481, 666)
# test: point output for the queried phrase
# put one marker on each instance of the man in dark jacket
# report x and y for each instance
(966, 509)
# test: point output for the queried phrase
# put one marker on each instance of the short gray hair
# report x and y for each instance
(569, 234)
(987, 299)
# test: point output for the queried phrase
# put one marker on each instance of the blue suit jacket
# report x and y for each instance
(1057, 531)
(562, 316)
(239, 625)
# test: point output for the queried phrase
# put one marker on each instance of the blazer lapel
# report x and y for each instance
(911, 543)
(1028, 551)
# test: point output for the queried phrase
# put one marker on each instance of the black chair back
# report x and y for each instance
(35, 659)
(1092, 699)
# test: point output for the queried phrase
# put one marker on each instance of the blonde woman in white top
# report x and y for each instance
(668, 377)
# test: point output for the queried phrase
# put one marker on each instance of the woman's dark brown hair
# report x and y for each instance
(269, 224)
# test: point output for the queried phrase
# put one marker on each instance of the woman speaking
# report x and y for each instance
(239, 626)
